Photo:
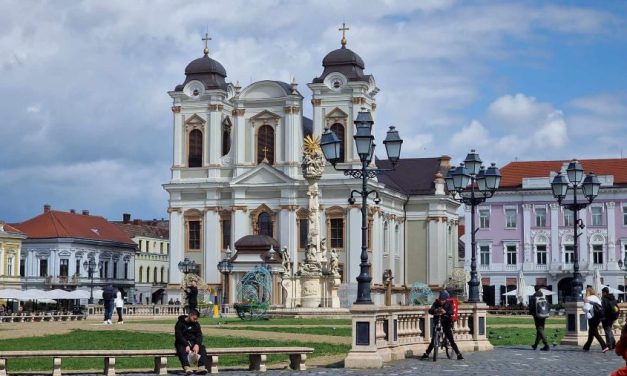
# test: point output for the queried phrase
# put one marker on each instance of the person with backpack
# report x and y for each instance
(611, 313)
(539, 309)
(443, 308)
(108, 296)
(594, 312)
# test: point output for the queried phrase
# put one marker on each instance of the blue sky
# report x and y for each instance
(86, 116)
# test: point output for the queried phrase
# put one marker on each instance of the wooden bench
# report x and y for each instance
(257, 357)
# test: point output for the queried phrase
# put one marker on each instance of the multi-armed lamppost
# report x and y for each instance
(225, 266)
(364, 142)
(474, 185)
(91, 269)
(187, 266)
(590, 187)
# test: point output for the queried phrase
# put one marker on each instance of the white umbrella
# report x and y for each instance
(523, 298)
(79, 294)
(612, 291)
(11, 294)
(596, 281)
(529, 290)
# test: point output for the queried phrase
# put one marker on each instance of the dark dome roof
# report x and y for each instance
(205, 64)
(342, 56)
(257, 241)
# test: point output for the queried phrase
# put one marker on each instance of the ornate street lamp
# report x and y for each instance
(590, 188)
(364, 142)
(91, 269)
(473, 185)
(187, 266)
(225, 266)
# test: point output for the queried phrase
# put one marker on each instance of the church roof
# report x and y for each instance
(412, 176)
(58, 224)
(346, 62)
(206, 70)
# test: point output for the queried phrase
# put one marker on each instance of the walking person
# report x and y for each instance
(442, 310)
(594, 312)
(108, 295)
(192, 296)
(119, 305)
(188, 342)
(611, 313)
(539, 309)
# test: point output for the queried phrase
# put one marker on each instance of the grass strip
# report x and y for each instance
(522, 336)
(524, 320)
(106, 340)
(235, 321)
(325, 331)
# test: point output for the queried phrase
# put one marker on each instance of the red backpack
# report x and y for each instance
(455, 304)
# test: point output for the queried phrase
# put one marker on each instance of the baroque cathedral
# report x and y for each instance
(236, 171)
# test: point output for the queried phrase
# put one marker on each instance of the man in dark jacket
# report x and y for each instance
(442, 310)
(192, 296)
(608, 302)
(188, 338)
(108, 296)
(538, 321)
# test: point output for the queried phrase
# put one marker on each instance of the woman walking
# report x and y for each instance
(119, 304)
(593, 309)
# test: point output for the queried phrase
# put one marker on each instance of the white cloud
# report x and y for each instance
(519, 110)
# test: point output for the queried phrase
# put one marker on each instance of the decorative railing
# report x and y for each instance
(141, 310)
(381, 334)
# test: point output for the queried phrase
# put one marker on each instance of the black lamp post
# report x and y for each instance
(364, 142)
(225, 266)
(91, 269)
(590, 187)
(187, 266)
(483, 183)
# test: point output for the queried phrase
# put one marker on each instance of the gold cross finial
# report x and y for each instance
(206, 39)
(343, 29)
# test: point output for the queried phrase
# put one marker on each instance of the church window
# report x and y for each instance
(226, 137)
(194, 234)
(264, 223)
(303, 230)
(338, 129)
(195, 149)
(265, 144)
(225, 223)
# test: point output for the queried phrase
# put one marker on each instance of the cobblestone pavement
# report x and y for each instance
(508, 361)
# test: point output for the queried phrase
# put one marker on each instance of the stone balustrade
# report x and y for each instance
(141, 310)
(382, 334)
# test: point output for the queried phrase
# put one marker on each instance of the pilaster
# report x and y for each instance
(611, 233)
(211, 253)
(353, 254)
(177, 244)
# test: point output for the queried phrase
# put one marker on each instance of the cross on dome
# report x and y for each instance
(343, 29)
(206, 39)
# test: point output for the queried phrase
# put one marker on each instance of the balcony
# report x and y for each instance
(61, 280)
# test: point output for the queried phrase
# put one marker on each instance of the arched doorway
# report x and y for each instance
(564, 288)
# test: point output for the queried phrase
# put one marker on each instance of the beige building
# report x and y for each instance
(11, 267)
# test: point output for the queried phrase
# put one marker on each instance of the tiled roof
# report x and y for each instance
(412, 176)
(143, 229)
(10, 229)
(514, 172)
(59, 224)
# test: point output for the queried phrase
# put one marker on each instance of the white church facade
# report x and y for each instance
(236, 171)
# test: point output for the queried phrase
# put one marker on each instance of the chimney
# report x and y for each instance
(72, 211)
(85, 212)
(46, 208)
(445, 163)
(126, 218)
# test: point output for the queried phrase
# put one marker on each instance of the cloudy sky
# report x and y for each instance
(86, 120)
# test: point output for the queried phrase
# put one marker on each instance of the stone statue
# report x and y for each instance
(313, 159)
(323, 250)
(334, 263)
(286, 261)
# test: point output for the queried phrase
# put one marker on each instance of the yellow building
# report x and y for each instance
(11, 266)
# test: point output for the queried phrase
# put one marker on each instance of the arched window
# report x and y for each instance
(226, 137)
(195, 149)
(141, 274)
(162, 270)
(154, 275)
(265, 144)
(148, 274)
(338, 129)
(265, 224)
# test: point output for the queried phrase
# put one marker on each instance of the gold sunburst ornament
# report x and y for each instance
(311, 145)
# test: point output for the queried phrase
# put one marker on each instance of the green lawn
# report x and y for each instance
(325, 331)
(81, 339)
(521, 336)
(236, 321)
(523, 319)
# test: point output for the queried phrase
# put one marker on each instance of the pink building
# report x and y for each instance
(523, 228)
